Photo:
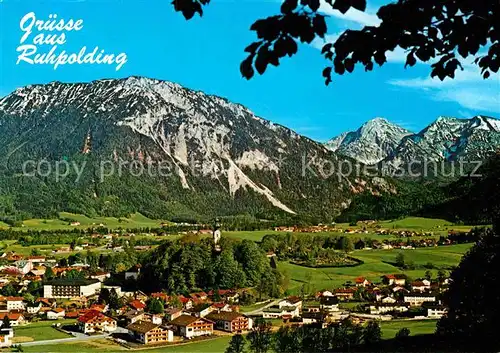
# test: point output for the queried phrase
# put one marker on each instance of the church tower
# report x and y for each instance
(216, 235)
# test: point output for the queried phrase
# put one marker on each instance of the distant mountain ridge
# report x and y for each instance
(446, 139)
(371, 143)
(224, 159)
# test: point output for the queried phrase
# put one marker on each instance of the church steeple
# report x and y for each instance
(217, 234)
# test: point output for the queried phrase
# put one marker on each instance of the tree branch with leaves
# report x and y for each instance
(443, 32)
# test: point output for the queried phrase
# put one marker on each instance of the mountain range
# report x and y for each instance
(446, 139)
(113, 147)
(167, 151)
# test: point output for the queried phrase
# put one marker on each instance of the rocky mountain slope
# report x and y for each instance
(371, 143)
(152, 146)
(450, 139)
(446, 139)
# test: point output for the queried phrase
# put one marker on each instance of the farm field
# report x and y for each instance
(417, 223)
(374, 266)
(257, 235)
(12, 245)
(97, 345)
(440, 256)
(135, 220)
(38, 331)
(216, 345)
(416, 327)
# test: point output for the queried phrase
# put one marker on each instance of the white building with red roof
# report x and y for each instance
(95, 321)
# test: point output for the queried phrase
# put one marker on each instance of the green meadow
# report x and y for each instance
(416, 327)
(376, 264)
(215, 345)
(135, 220)
(38, 331)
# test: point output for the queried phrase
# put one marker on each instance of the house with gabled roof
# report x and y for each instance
(417, 298)
(33, 308)
(187, 303)
(171, 314)
(100, 275)
(420, 286)
(95, 321)
(36, 260)
(56, 313)
(137, 305)
(329, 304)
(161, 296)
(15, 303)
(292, 301)
(362, 282)
(198, 296)
(147, 332)
(15, 319)
(190, 326)
(397, 279)
(344, 293)
(133, 316)
(133, 272)
(230, 321)
(202, 310)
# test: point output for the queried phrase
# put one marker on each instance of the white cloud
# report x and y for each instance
(468, 89)
(469, 74)
(318, 43)
(396, 56)
(475, 99)
(362, 19)
(353, 15)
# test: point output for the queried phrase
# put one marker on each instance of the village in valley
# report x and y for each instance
(64, 299)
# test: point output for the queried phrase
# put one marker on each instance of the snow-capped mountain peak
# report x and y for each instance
(372, 142)
(445, 139)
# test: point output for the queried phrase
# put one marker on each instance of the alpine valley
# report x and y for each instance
(151, 146)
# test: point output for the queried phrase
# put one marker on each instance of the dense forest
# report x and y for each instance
(470, 199)
(191, 264)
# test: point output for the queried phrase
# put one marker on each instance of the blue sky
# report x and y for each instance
(204, 54)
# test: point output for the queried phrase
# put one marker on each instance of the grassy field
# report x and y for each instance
(38, 331)
(136, 220)
(374, 266)
(417, 223)
(98, 345)
(416, 327)
(217, 345)
(440, 256)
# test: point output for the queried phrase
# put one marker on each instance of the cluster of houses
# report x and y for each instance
(182, 317)
(398, 244)
(197, 316)
(403, 233)
(323, 311)
(308, 229)
(395, 296)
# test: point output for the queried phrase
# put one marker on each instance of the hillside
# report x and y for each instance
(471, 199)
(150, 146)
